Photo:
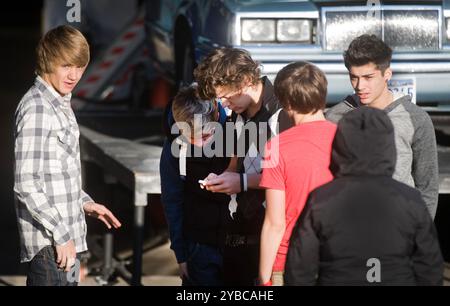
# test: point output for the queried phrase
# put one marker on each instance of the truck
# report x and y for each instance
(277, 32)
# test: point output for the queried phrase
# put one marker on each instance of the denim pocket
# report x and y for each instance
(43, 270)
(46, 253)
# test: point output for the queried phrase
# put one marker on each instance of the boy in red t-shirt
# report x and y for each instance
(296, 162)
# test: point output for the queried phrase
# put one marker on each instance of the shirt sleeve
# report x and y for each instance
(273, 167)
(425, 164)
(85, 198)
(33, 126)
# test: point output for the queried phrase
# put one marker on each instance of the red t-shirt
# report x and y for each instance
(297, 161)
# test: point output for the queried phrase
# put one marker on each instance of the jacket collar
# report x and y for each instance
(269, 103)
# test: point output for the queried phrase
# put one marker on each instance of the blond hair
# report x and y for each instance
(60, 46)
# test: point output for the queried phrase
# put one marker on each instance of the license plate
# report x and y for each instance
(406, 86)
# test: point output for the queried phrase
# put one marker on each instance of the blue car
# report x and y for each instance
(277, 32)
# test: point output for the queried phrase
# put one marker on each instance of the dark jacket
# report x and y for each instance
(364, 224)
(191, 213)
(249, 216)
(205, 212)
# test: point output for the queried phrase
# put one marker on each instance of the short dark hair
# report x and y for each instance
(226, 66)
(367, 49)
(302, 87)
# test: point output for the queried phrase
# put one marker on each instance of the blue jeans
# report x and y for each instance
(204, 265)
(43, 270)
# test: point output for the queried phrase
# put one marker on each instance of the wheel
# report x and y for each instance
(185, 66)
(139, 88)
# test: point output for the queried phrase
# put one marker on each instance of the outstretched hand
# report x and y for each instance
(102, 213)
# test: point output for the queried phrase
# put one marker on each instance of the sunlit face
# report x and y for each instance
(235, 99)
(64, 78)
(369, 82)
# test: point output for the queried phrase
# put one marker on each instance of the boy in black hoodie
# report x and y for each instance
(364, 227)
(196, 217)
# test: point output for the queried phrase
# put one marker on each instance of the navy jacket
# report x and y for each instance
(173, 187)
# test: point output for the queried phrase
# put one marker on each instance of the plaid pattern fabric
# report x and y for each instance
(48, 194)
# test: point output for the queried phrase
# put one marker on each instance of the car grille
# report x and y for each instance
(401, 29)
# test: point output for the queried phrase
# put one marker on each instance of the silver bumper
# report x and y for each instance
(430, 70)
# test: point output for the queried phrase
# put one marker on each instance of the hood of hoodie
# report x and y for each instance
(364, 144)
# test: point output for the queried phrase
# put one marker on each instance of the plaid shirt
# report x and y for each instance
(49, 198)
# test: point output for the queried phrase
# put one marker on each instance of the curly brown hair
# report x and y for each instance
(230, 67)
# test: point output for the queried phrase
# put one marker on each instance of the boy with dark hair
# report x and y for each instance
(296, 162)
(367, 60)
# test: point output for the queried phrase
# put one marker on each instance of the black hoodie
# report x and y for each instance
(364, 228)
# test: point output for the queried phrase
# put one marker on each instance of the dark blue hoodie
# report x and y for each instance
(173, 190)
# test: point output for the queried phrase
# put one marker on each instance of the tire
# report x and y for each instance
(139, 89)
(185, 66)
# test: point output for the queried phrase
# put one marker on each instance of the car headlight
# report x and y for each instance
(276, 30)
(294, 30)
(254, 30)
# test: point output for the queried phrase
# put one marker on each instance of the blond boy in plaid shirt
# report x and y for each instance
(50, 202)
